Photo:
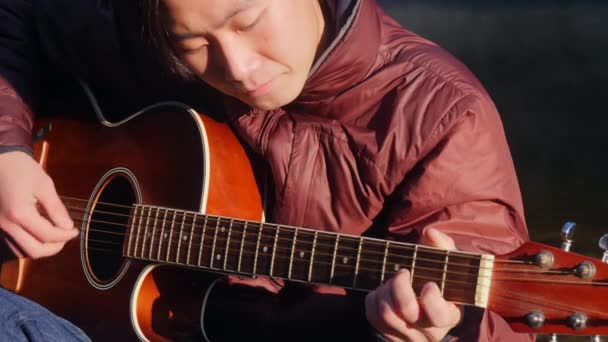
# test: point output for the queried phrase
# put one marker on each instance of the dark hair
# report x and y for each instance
(158, 38)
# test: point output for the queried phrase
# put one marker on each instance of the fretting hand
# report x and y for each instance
(398, 314)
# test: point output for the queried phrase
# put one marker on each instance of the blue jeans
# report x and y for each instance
(24, 320)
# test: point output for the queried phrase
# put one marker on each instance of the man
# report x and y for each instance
(366, 127)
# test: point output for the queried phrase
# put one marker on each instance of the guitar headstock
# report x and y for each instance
(542, 289)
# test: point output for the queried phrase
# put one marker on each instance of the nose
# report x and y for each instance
(239, 60)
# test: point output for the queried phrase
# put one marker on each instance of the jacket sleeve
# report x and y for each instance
(465, 185)
(19, 74)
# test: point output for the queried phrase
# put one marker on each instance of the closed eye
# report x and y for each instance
(254, 23)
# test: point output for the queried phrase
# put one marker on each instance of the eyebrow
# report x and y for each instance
(243, 5)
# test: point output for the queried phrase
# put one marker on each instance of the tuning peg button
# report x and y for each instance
(604, 246)
(567, 235)
(577, 321)
(535, 319)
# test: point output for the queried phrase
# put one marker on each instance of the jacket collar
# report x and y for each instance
(346, 62)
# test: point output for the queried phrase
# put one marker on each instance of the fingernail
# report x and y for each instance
(431, 286)
(404, 270)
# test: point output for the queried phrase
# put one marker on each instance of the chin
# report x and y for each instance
(270, 102)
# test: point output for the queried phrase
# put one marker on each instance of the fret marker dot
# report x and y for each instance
(185, 238)
(265, 249)
(218, 257)
(223, 229)
(166, 235)
(345, 260)
(397, 267)
(302, 254)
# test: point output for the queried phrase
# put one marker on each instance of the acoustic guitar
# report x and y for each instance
(168, 193)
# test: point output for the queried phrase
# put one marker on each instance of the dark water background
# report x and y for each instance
(545, 63)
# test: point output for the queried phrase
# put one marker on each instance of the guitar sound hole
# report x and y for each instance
(106, 233)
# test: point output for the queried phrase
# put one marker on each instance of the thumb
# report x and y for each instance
(436, 238)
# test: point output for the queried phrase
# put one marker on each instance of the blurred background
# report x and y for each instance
(545, 63)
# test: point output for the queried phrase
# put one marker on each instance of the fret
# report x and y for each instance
(413, 266)
(162, 234)
(312, 256)
(217, 229)
(399, 256)
(132, 228)
(324, 251)
(257, 248)
(264, 251)
(281, 265)
(228, 243)
(357, 262)
(191, 238)
(445, 271)
(293, 249)
(141, 218)
(333, 261)
(429, 267)
(302, 251)
(170, 239)
(238, 268)
(274, 248)
(346, 258)
(371, 260)
(145, 236)
(249, 248)
(222, 238)
(461, 276)
(384, 261)
(201, 247)
(181, 237)
(212, 235)
(151, 237)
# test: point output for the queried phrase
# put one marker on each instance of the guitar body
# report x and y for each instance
(166, 155)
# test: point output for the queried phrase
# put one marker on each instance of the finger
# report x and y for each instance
(437, 311)
(403, 299)
(381, 317)
(54, 207)
(436, 238)
(29, 245)
(37, 226)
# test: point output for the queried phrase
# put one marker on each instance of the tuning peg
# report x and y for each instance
(568, 235)
(604, 246)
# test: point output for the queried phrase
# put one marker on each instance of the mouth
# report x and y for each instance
(263, 88)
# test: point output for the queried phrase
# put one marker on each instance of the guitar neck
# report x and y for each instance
(250, 248)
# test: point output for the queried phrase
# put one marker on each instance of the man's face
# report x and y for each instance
(259, 51)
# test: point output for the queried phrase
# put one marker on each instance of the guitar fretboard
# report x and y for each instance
(253, 248)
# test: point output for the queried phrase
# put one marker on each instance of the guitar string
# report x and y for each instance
(211, 229)
(467, 285)
(306, 231)
(222, 243)
(430, 260)
(188, 228)
(395, 245)
(367, 260)
(547, 303)
(233, 242)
